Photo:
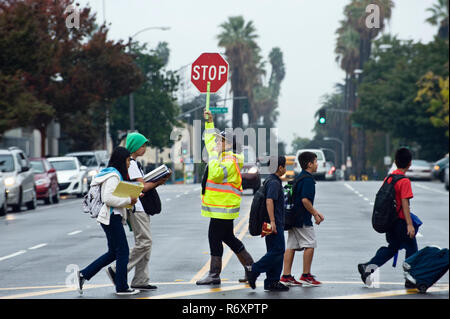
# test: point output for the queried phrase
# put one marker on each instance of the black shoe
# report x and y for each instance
(362, 271)
(276, 286)
(111, 275)
(409, 285)
(251, 278)
(145, 287)
(81, 281)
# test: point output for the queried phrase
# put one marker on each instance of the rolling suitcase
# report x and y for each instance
(426, 267)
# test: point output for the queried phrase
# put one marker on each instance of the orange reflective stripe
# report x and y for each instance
(222, 191)
(237, 188)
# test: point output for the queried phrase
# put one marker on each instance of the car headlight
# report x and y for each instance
(73, 177)
(43, 181)
(253, 170)
(92, 173)
(10, 181)
(436, 168)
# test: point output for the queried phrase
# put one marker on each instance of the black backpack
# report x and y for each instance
(290, 215)
(258, 211)
(150, 201)
(385, 207)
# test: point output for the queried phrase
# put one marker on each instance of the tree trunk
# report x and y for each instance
(43, 131)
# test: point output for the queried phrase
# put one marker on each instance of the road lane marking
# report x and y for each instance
(52, 291)
(168, 200)
(366, 199)
(430, 189)
(198, 292)
(37, 246)
(349, 187)
(178, 196)
(75, 232)
(390, 293)
(13, 255)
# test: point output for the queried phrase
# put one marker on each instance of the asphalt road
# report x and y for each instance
(37, 247)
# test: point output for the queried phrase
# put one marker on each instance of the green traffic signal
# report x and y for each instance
(322, 120)
(322, 116)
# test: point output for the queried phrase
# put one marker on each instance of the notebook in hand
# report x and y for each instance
(158, 173)
(128, 189)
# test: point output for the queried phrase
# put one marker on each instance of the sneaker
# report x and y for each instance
(289, 281)
(277, 286)
(364, 274)
(81, 281)
(111, 275)
(144, 287)
(309, 280)
(127, 292)
(251, 278)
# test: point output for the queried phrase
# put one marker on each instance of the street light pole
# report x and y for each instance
(131, 96)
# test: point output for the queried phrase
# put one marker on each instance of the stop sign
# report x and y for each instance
(209, 67)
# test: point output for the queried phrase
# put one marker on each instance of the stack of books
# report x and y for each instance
(158, 173)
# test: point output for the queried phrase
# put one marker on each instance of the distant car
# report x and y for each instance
(446, 178)
(251, 178)
(321, 161)
(92, 160)
(3, 196)
(46, 180)
(419, 170)
(330, 175)
(290, 167)
(72, 176)
(18, 178)
(439, 168)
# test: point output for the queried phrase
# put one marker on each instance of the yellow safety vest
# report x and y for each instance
(222, 198)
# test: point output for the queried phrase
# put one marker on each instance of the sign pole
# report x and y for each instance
(208, 88)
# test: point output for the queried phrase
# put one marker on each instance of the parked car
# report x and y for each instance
(92, 160)
(46, 180)
(439, 168)
(72, 176)
(321, 161)
(251, 178)
(330, 175)
(3, 196)
(446, 178)
(419, 170)
(290, 165)
(18, 178)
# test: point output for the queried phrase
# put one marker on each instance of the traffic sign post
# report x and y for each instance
(209, 73)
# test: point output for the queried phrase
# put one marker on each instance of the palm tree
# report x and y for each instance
(238, 39)
(439, 16)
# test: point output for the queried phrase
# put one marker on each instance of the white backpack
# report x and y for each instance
(92, 201)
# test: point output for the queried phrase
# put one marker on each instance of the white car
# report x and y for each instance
(3, 196)
(322, 168)
(419, 170)
(72, 176)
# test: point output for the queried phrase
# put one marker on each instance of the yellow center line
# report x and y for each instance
(390, 293)
(229, 253)
(197, 292)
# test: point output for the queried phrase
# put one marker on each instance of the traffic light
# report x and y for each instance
(322, 116)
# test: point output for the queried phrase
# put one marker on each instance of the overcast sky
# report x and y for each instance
(303, 29)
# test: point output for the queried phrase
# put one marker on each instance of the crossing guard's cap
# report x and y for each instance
(135, 141)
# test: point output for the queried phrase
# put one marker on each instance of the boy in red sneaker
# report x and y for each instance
(302, 236)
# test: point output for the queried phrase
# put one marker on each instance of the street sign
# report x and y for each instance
(209, 67)
(218, 110)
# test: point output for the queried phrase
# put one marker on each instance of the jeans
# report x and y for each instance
(117, 251)
(221, 230)
(397, 239)
(272, 262)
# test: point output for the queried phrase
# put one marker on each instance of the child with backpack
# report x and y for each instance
(302, 236)
(401, 233)
(112, 217)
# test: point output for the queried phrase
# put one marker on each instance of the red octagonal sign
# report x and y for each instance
(209, 67)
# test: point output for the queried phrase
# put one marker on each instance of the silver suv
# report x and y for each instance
(18, 178)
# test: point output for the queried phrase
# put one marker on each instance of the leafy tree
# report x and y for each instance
(154, 101)
(439, 17)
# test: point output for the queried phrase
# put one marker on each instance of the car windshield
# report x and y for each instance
(37, 167)
(64, 165)
(319, 156)
(87, 160)
(6, 163)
